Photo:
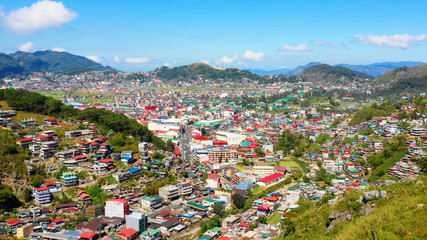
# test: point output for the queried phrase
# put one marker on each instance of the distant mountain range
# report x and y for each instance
(374, 69)
(46, 61)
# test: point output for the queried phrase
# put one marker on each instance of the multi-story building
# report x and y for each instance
(99, 168)
(42, 195)
(169, 192)
(186, 188)
(137, 221)
(116, 208)
(222, 155)
(230, 138)
(24, 231)
(73, 134)
(69, 179)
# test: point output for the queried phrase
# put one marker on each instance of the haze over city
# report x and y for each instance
(144, 35)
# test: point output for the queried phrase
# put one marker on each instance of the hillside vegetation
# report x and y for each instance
(400, 215)
(204, 71)
(23, 100)
(46, 61)
(329, 73)
(403, 81)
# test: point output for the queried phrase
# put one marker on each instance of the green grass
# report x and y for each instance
(239, 168)
(288, 164)
(258, 189)
(275, 218)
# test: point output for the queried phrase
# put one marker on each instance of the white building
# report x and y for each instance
(230, 138)
(116, 208)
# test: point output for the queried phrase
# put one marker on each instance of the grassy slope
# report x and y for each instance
(396, 217)
(400, 73)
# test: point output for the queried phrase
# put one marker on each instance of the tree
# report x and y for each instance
(8, 200)
(262, 219)
(205, 176)
(218, 209)
(288, 226)
(27, 195)
(238, 200)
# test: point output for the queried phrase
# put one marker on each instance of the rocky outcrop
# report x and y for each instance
(337, 218)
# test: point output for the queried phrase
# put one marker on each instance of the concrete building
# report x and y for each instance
(24, 231)
(42, 195)
(116, 208)
(271, 179)
(137, 221)
(69, 179)
(230, 138)
(169, 192)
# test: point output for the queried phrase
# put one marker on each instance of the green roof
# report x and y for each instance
(151, 232)
(197, 206)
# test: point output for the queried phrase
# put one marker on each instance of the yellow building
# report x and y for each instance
(24, 231)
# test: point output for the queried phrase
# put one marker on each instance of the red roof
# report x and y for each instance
(88, 235)
(272, 177)
(118, 200)
(25, 139)
(106, 160)
(264, 207)
(13, 221)
(45, 136)
(127, 232)
(57, 220)
(177, 151)
(42, 189)
(50, 184)
(214, 176)
(243, 224)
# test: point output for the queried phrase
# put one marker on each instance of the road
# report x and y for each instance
(184, 143)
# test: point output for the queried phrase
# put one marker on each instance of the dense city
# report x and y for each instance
(236, 162)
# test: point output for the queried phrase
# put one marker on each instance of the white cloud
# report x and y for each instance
(42, 14)
(116, 59)
(254, 56)
(58, 49)
(137, 60)
(227, 60)
(166, 64)
(324, 43)
(205, 61)
(282, 67)
(94, 58)
(27, 47)
(299, 47)
(395, 41)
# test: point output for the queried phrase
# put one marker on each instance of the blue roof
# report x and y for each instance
(259, 201)
(243, 184)
(134, 170)
(187, 215)
(127, 157)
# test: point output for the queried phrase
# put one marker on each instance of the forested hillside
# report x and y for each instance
(23, 100)
(329, 73)
(46, 61)
(204, 71)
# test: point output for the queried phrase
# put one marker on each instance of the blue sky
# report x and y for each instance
(142, 35)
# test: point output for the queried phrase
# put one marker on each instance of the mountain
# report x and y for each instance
(282, 71)
(200, 70)
(376, 69)
(300, 69)
(404, 80)
(329, 73)
(46, 61)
